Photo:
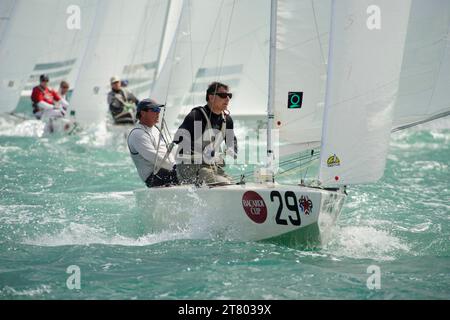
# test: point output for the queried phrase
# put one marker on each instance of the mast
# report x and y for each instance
(271, 98)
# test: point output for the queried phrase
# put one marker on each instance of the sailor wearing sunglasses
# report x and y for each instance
(199, 157)
(147, 150)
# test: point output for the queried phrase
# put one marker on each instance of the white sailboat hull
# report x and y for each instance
(250, 212)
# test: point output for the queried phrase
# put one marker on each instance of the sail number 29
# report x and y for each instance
(290, 199)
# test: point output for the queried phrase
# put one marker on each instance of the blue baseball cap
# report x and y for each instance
(149, 104)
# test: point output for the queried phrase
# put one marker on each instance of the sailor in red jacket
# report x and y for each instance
(44, 100)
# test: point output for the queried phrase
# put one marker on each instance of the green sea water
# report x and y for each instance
(68, 201)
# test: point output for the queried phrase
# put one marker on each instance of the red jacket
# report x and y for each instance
(47, 95)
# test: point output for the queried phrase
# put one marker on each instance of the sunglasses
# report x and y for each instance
(152, 109)
(224, 95)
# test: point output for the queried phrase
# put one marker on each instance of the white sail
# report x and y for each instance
(6, 10)
(23, 41)
(217, 41)
(66, 43)
(176, 6)
(111, 42)
(425, 79)
(301, 67)
(142, 68)
(365, 57)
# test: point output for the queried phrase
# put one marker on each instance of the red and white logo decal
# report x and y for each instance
(254, 206)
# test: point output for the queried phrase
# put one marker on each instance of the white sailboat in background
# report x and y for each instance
(49, 46)
(114, 38)
(339, 90)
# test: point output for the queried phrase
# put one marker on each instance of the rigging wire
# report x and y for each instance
(222, 59)
(146, 25)
(208, 45)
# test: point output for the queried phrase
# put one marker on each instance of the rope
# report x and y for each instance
(310, 161)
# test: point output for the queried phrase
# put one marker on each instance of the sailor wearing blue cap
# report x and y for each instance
(147, 150)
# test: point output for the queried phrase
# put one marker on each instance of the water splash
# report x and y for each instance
(82, 234)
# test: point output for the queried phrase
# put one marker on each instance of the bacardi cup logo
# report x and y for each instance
(254, 206)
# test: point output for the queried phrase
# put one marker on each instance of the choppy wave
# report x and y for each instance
(81, 234)
(27, 293)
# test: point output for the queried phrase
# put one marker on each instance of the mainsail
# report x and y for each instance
(61, 56)
(425, 76)
(6, 10)
(365, 58)
(23, 41)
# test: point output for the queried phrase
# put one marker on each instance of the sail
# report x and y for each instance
(425, 77)
(301, 72)
(223, 41)
(365, 58)
(6, 10)
(111, 42)
(142, 68)
(170, 30)
(23, 41)
(61, 56)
